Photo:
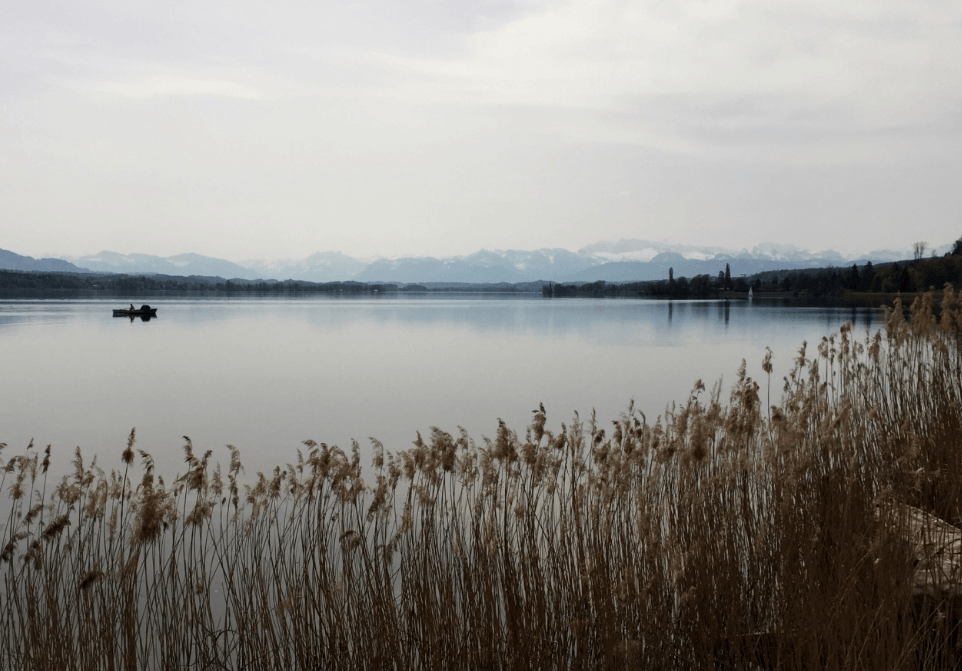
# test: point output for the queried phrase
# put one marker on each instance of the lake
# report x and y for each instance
(266, 374)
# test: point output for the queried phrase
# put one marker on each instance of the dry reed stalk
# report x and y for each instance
(722, 534)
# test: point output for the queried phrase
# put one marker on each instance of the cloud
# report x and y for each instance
(423, 126)
(165, 85)
(144, 80)
(679, 75)
(693, 73)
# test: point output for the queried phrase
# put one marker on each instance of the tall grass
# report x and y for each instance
(758, 531)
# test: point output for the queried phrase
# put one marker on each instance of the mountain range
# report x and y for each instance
(11, 261)
(145, 264)
(621, 261)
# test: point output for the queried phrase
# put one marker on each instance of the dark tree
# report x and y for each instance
(700, 285)
(867, 276)
(905, 281)
(853, 278)
(728, 276)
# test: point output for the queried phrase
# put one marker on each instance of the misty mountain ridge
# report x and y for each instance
(621, 261)
(12, 261)
(318, 267)
(147, 264)
(613, 261)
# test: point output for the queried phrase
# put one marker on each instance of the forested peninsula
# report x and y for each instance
(856, 283)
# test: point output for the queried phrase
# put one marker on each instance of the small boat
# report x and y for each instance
(142, 311)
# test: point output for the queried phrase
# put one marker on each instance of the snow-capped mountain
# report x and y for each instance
(646, 250)
(181, 264)
(318, 267)
(482, 267)
(621, 261)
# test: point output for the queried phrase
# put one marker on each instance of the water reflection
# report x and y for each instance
(267, 374)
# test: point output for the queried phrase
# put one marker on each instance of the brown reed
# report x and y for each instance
(723, 535)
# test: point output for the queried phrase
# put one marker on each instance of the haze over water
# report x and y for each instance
(265, 375)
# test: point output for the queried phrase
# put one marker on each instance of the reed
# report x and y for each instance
(730, 533)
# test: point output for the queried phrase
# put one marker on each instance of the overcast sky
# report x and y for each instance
(268, 130)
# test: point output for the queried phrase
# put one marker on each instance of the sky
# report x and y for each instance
(247, 129)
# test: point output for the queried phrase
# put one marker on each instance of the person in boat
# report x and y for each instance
(132, 307)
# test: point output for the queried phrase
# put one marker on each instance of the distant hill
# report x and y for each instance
(181, 264)
(11, 261)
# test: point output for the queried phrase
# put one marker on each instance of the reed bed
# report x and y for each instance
(730, 534)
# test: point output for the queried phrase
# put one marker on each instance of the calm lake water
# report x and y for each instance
(265, 375)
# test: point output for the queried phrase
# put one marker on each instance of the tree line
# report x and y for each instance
(919, 274)
(12, 281)
(697, 286)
